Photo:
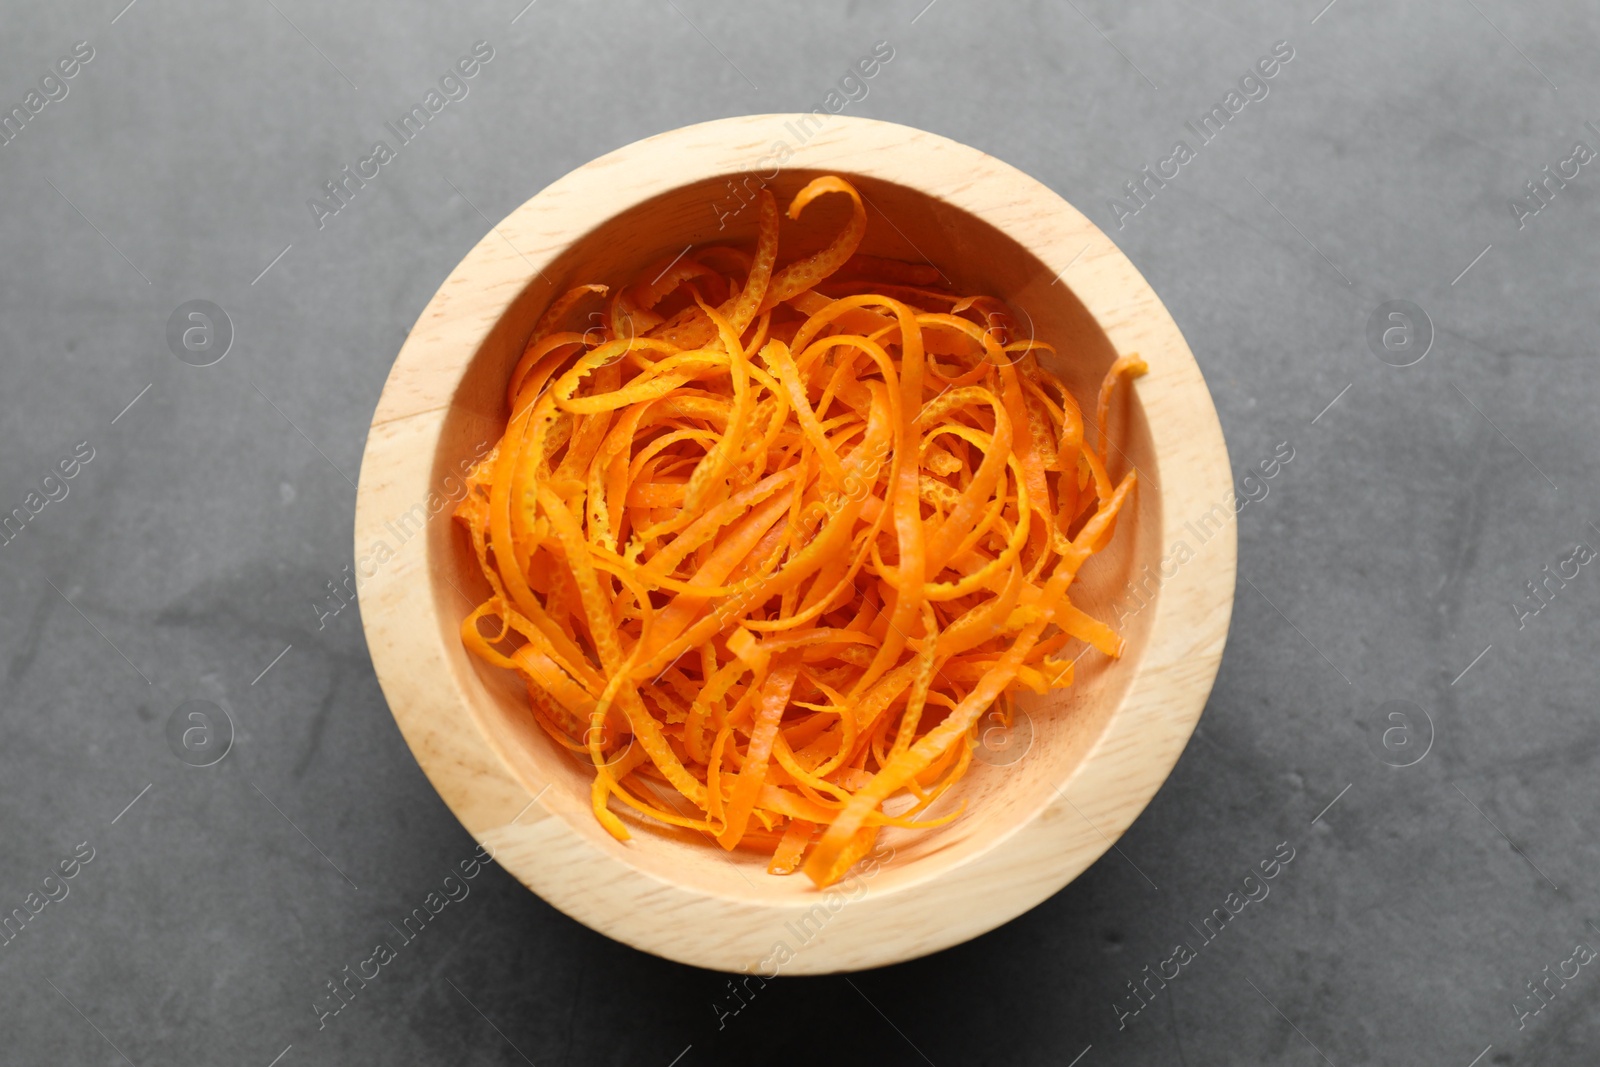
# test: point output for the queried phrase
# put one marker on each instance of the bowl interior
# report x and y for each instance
(1042, 751)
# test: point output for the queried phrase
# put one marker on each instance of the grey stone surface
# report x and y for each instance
(1387, 556)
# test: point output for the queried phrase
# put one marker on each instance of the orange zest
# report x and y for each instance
(767, 542)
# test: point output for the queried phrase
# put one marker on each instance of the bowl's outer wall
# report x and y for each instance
(1099, 752)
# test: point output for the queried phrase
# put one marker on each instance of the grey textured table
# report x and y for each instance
(1391, 706)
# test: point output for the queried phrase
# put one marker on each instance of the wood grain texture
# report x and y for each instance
(1099, 750)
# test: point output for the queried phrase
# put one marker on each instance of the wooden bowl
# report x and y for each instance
(1041, 808)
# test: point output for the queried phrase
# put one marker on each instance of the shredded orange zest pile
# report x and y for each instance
(767, 543)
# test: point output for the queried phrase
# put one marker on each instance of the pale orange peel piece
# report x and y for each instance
(805, 273)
